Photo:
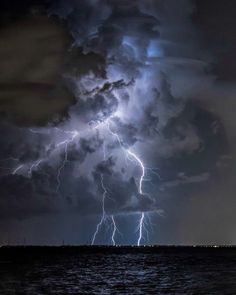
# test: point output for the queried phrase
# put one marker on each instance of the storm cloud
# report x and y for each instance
(136, 83)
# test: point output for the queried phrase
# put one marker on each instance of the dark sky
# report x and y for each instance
(117, 122)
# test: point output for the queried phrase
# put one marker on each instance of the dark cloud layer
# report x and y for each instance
(32, 54)
(216, 21)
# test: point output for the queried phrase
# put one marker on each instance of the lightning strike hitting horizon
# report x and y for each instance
(142, 167)
(114, 231)
(141, 224)
(141, 221)
(102, 220)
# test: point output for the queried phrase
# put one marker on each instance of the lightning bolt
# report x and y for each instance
(114, 230)
(107, 122)
(141, 225)
(141, 179)
(105, 193)
(66, 142)
(33, 166)
(103, 218)
(142, 217)
(17, 169)
(73, 135)
(132, 154)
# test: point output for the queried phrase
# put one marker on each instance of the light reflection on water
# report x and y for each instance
(176, 272)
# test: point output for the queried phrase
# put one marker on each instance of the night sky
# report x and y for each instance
(117, 122)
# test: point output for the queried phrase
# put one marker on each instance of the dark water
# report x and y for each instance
(118, 271)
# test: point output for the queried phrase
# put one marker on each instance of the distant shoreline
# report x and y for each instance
(116, 246)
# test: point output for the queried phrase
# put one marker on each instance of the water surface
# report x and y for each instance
(104, 270)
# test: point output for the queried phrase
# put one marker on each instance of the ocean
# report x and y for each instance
(118, 270)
